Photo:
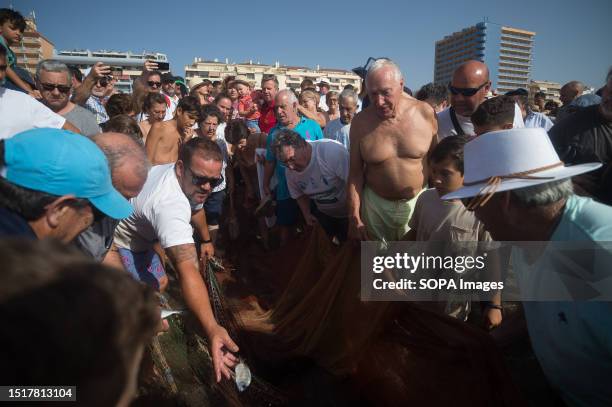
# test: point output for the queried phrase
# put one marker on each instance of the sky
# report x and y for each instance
(573, 38)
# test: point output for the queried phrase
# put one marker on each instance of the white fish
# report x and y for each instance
(165, 313)
(242, 376)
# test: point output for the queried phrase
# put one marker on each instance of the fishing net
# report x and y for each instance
(389, 353)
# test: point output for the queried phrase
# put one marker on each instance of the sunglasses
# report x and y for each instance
(154, 84)
(467, 92)
(50, 87)
(197, 180)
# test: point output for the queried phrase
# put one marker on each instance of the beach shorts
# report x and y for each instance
(286, 212)
(213, 206)
(386, 220)
(144, 266)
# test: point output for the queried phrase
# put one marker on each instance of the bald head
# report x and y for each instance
(471, 72)
(127, 160)
(570, 91)
(469, 87)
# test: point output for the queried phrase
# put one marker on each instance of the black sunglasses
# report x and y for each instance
(467, 92)
(154, 84)
(49, 87)
(197, 180)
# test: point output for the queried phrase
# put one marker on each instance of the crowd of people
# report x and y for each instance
(146, 181)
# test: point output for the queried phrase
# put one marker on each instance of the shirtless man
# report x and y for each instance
(165, 138)
(155, 108)
(390, 140)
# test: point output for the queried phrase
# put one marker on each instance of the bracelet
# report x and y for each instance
(207, 241)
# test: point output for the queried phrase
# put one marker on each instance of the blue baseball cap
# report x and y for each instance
(60, 162)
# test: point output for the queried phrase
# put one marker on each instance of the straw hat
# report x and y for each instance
(511, 159)
(241, 79)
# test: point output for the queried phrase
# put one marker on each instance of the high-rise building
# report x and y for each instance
(126, 66)
(33, 48)
(506, 51)
(288, 76)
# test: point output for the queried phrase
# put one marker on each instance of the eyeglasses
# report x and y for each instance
(467, 92)
(198, 180)
(154, 84)
(50, 87)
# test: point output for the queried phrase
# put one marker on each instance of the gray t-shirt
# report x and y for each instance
(97, 239)
(84, 120)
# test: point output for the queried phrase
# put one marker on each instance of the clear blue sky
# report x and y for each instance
(573, 39)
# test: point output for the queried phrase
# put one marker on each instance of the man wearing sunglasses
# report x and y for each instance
(54, 81)
(170, 199)
(20, 112)
(468, 89)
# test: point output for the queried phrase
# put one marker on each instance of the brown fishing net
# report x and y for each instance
(391, 353)
(297, 317)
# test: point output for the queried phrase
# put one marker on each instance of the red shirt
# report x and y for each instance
(267, 120)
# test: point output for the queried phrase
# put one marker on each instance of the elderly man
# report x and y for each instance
(390, 140)
(54, 81)
(162, 213)
(20, 112)
(55, 184)
(340, 128)
(587, 136)
(517, 186)
(269, 88)
(316, 171)
(468, 88)
(286, 109)
(129, 167)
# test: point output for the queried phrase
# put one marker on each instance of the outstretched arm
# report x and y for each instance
(184, 260)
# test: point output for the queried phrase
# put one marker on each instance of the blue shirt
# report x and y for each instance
(537, 119)
(310, 131)
(573, 340)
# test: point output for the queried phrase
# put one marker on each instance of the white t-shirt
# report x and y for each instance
(446, 128)
(336, 130)
(221, 131)
(20, 112)
(323, 103)
(324, 179)
(161, 212)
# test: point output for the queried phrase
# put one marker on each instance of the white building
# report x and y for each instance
(126, 66)
(288, 76)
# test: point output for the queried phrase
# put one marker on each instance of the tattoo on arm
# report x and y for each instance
(182, 253)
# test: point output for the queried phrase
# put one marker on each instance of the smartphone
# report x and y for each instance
(163, 66)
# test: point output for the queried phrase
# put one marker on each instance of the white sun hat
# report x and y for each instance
(511, 159)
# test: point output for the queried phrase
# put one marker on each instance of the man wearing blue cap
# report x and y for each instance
(53, 184)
